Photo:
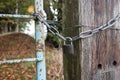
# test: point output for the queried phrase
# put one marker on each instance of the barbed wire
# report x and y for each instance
(84, 34)
(76, 26)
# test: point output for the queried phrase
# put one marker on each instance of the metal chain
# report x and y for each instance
(90, 33)
(52, 29)
(84, 34)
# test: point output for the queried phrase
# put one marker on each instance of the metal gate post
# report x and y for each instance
(40, 65)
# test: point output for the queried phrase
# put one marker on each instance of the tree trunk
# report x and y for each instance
(96, 57)
(71, 19)
(50, 16)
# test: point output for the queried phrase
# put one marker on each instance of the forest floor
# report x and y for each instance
(27, 71)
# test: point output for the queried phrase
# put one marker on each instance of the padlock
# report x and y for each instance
(68, 47)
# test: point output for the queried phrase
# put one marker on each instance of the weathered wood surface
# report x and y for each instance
(100, 58)
(16, 45)
(96, 57)
(71, 18)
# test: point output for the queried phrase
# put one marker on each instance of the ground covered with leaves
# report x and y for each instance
(27, 71)
(14, 46)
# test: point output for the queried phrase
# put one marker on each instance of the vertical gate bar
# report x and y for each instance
(40, 65)
(16, 11)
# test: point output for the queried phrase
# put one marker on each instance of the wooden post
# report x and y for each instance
(99, 55)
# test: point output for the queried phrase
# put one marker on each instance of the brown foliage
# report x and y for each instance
(15, 45)
(19, 45)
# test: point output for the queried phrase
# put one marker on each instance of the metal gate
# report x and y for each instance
(40, 60)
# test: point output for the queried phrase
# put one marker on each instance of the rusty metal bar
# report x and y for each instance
(20, 60)
(16, 16)
(40, 65)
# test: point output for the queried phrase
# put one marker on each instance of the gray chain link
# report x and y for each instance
(84, 34)
(52, 29)
(90, 33)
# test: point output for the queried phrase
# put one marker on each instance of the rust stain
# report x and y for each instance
(40, 70)
(39, 45)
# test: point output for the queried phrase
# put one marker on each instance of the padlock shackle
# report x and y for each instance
(68, 46)
(68, 39)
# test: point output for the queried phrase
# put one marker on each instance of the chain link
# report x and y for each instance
(84, 34)
(90, 33)
(52, 29)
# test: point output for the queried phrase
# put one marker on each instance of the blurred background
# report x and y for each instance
(8, 43)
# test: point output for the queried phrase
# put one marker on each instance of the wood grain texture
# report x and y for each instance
(71, 18)
(100, 58)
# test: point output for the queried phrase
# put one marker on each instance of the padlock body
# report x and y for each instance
(68, 49)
